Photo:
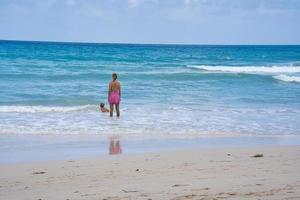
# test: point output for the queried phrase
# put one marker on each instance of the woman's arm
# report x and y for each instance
(120, 91)
(109, 86)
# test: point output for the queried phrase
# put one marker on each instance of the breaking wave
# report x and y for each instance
(287, 78)
(248, 69)
(44, 109)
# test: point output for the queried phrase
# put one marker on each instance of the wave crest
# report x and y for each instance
(44, 109)
(248, 69)
(287, 78)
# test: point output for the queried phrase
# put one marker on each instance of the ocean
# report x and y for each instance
(50, 88)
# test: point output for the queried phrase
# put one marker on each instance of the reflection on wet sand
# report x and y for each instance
(114, 146)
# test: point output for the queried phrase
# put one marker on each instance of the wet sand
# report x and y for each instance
(228, 173)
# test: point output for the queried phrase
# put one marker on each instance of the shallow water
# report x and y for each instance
(28, 148)
(55, 88)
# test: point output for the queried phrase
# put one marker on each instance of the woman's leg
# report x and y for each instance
(111, 110)
(118, 110)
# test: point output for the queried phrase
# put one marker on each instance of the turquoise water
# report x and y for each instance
(55, 88)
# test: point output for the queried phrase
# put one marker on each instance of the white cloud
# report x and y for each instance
(133, 3)
(188, 2)
(70, 2)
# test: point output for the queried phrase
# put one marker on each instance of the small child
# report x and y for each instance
(102, 108)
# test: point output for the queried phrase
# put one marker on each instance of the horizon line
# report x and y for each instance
(129, 43)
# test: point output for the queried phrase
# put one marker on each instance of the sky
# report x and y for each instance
(152, 21)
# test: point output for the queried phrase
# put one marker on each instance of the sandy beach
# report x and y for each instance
(228, 173)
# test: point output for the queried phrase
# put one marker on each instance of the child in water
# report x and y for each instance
(102, 108)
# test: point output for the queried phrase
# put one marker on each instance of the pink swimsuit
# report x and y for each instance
(114, 97)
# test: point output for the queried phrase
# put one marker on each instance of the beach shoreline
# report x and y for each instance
(223, 173)
(27, 148)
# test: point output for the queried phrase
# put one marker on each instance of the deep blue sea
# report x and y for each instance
(185, 90)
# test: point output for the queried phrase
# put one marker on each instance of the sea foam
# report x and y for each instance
(44, 109)
(287, 78)
(248, 69)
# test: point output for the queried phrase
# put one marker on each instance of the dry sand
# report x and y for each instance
(189, 174)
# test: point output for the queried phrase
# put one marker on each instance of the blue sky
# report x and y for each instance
(152, 21)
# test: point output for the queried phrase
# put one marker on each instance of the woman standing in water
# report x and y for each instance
(114, 95)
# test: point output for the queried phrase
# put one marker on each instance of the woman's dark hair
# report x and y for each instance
(114, 75)
(101, 105)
